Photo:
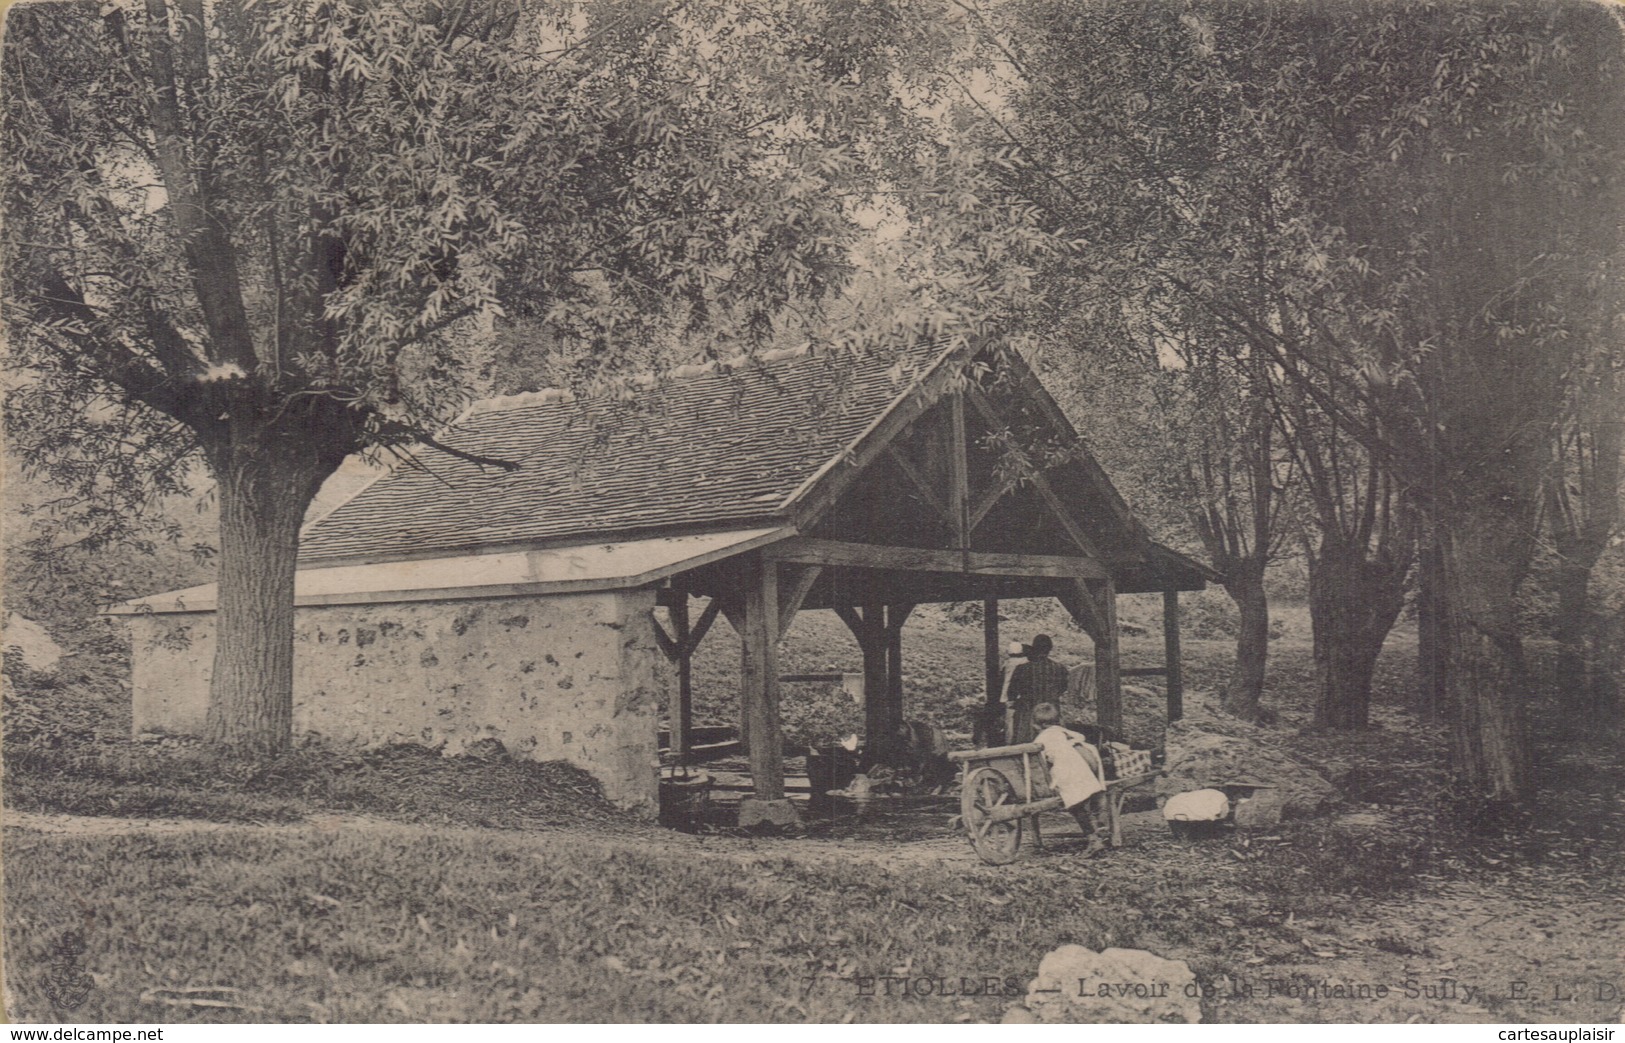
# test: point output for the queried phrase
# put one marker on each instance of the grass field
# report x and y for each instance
(388, 924)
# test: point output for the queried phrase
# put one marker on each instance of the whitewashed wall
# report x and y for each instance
(565, 677)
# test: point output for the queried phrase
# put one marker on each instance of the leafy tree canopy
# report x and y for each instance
(302, 217)
(272, 235)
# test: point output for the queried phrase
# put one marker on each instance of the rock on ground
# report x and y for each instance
(767, 814)
(1076, 985)
(1262, 810)
(1209, 748)
(33, 644)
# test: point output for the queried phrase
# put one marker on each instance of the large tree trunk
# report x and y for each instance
(1581, 674)
(1429, 696)
(1583, 513)
(1607, 669)
(1570, 627)
(1484, 558)
(263, 494)
(1245, 585)
(1353, 603)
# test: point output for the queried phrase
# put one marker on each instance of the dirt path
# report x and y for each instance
(934, 851)
(90, 826)
(1469, 953)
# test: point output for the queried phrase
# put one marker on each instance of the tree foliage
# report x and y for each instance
(1397, 214)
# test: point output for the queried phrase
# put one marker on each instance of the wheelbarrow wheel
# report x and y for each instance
(996, 843)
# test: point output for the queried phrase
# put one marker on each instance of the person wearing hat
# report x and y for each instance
(1038, 680)
(1015, 655)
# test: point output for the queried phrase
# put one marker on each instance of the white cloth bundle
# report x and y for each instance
(1074, 765)
(1200, 805)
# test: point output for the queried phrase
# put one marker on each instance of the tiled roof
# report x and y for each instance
(718, 447)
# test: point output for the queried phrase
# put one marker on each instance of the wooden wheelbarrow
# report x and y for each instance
(1001, 786)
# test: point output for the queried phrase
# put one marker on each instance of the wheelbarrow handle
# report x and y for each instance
(961, 756)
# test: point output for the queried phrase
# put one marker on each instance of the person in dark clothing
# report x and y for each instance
(1039, 680)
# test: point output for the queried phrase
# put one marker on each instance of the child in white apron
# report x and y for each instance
(1074, 770)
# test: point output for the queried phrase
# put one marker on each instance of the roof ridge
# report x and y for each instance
(689, 370)
(552, 396)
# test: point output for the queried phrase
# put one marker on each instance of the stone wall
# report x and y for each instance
(568, 677)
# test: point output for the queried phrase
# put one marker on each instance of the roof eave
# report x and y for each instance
(205, 598)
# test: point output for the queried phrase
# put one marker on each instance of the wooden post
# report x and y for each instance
(733, 611)
(760, 681)
(744, 697)
(992, 654)
(876, 680)
(896, 616)
(1170, 650)
(958, 476)
(682, 721)
(1108, 682)
(989, 730)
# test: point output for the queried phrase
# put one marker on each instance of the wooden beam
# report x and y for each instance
(1046, 492)
(958, 474)
(921, 485)
(986, 733)
(1108, 662)
(1064, 515)
(792, 595)
(759, 682)
(679, 647)
(733, 610)
(663, 639)
(989, 500)
(928, 588)
(734, 613)
(1057, 418)
(708, 615)
(806, 550)
(853, 621)
(1171, 657)
(1080, 604)
(896, 616)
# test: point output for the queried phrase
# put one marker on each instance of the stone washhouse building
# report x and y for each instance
(556, 607)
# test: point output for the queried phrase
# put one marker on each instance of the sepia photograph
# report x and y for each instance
(1100, 512)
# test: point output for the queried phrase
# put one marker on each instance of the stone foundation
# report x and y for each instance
(573, 677)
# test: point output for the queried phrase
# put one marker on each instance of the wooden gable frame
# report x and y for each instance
(961, 509)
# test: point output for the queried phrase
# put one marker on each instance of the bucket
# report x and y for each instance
(685, 797)
(830, 768)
